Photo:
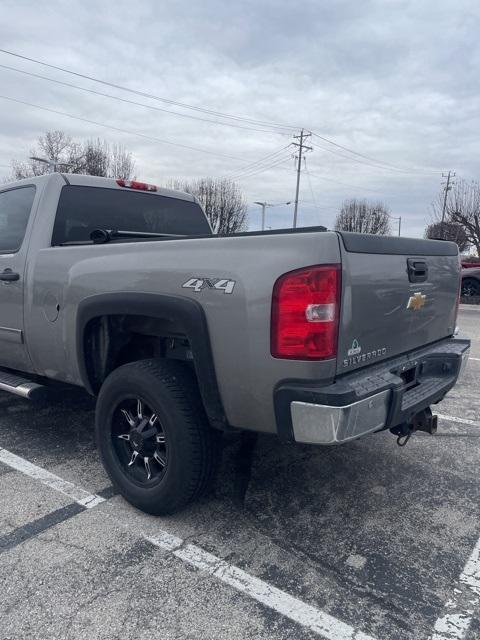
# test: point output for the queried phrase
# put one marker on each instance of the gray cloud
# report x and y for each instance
(393, 79)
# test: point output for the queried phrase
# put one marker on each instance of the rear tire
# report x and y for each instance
(153, 435)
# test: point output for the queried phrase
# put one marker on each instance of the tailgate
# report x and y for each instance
(398, 294)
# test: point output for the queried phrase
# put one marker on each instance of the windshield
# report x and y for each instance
(83, 209)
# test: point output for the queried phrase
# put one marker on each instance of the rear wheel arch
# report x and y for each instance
(175, 314)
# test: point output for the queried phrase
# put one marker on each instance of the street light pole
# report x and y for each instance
(264, 205)
(399, 218)
(52, 163)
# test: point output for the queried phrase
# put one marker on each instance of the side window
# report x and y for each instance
(15, 207)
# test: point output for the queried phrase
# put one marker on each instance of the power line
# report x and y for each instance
(262, 165)
(152, 138)
(310, 173)
(403, 173)
(328, 179)
(280, 127)
(260, 161)
(121, 130)
(345, 184)
(138, 104)
(255, 172)
(311, 188)
(145, 94)
(360, 155)
(67, 84)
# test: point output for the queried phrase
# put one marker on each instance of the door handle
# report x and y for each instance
(417, 270)
(9, 276)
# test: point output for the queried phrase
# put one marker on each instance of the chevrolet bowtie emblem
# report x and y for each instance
(417, 301)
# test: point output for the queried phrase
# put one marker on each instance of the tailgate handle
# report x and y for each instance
(417, 270)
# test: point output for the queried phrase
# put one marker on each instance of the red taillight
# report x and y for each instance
(133, 184)
(305, 313)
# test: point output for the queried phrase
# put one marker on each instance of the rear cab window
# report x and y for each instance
(15, 207)
(81, 210)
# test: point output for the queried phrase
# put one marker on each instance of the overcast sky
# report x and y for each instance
(394, 80)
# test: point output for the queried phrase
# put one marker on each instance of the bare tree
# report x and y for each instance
(362, 216)
(93, 157)
(22, 170)
(448, 231)
(122, 164)
(54, 145)
(222, 200)
(74, 159)
(462, 208)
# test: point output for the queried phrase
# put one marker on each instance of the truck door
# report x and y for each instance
(15, 207)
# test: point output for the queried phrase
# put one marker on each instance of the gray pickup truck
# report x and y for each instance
(121, 288)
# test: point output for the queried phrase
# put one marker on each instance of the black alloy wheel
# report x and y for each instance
(139, 441)
(154, 437)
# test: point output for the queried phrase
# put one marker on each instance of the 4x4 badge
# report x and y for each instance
(199, 284)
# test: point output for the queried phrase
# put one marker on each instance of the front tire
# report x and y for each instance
(153, 435)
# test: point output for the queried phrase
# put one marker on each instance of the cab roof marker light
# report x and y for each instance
(134, 184)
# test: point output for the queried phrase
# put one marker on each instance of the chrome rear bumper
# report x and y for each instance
(383, 396)
(322, 424)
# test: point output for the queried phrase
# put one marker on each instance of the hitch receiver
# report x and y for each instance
(425, 421)
(421, 421)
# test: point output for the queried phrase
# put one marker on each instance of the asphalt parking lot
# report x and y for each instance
(365, 541)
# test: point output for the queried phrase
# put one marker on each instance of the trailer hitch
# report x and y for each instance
(421, 421)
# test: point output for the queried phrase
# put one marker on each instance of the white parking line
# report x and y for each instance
(456, 622)
(314, 619)
(80, 496)
(470, 423)
(476, 359)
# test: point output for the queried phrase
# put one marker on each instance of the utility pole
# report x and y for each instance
(301, 147)
(264, 205)
(448, 186)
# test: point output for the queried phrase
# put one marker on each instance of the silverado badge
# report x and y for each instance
(417, 301)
